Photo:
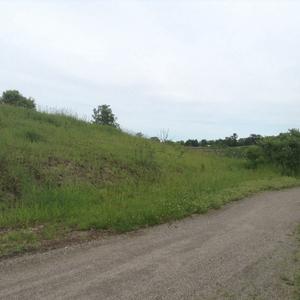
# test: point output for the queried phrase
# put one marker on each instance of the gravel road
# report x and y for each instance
(242, 251)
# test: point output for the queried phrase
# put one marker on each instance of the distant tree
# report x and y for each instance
(234, 137)
(253, 139)
(103, 115)
(169, 142)
(211, 143)
(203, 143)
(231, 141)
(155, 139)
(192, 143)
(14, 97)
(219, 142)
(139, 134)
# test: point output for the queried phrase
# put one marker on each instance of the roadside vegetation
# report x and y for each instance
(61, 175)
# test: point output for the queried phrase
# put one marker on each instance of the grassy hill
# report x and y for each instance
(60, 175)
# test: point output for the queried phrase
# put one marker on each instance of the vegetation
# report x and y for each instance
(231, 141)
(15, 98)
(282, 151)
(103, 115)
(60, 174)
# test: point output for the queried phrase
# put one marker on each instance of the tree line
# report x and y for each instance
(231, 141)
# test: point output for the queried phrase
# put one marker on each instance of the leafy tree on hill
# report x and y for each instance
(103, 115)
(139, 134)
(14, 97)
(155, 139)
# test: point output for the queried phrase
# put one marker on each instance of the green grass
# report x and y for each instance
(56, 169)
(17, 241)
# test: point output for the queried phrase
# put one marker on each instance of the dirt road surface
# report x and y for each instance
(242, 251)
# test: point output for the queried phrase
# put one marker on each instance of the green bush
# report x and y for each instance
(15, 98)
(283, 151)
(255, 156)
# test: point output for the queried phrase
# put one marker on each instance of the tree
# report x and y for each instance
(139, 134)
(203, 143)
(253, 139)
(103, 115)
(231, 141)
(155, 139)
(192, 143)
(14, 97)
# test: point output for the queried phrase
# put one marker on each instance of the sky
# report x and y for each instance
(199, 69)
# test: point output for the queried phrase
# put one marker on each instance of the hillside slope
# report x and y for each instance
(60, 174)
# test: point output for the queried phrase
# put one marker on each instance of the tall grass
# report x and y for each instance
(56, 169)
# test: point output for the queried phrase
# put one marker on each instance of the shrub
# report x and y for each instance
(14, 97)
(282, 151)
(255, 156)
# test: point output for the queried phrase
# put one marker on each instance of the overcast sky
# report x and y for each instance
(202, 69)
